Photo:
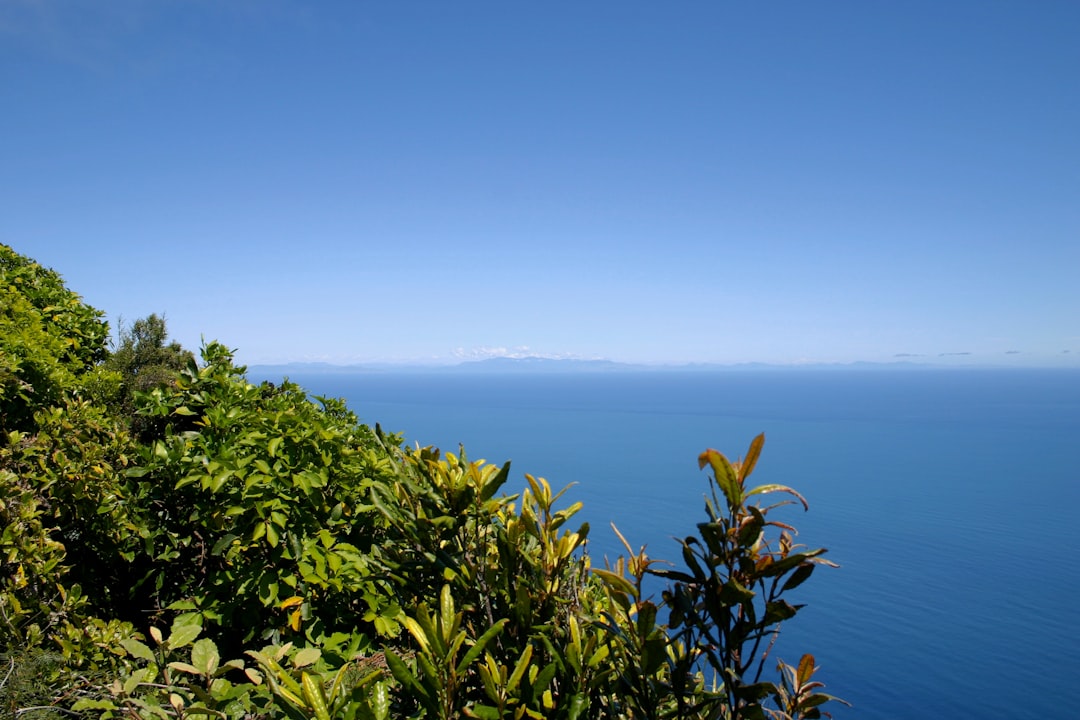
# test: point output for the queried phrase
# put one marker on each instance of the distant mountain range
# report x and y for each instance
(505, 365)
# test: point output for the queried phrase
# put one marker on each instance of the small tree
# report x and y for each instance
(144, 359)
(728, 608)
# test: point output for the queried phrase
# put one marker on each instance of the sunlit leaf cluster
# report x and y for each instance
(177, 541)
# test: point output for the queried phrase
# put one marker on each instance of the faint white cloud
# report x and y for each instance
(517, 352)
(483, 353)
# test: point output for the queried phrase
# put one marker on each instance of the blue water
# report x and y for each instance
(948, 498)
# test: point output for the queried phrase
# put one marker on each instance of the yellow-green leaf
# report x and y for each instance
(806, 669)
(306, 657)
(204, 655)
(183, 635)
(138, 649)
(185, 667)
(752, 456)
(315, 696)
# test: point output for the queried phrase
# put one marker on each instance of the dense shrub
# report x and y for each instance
(178, 541)
(48, 338)
(254, 495)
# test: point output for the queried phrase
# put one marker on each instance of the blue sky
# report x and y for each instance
(651, 182)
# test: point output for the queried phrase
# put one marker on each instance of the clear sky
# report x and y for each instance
(640, 181)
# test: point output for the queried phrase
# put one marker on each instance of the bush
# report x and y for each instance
(306, 565)
(251, 498)
(48, 338)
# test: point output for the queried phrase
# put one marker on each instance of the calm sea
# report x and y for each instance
(948, 497)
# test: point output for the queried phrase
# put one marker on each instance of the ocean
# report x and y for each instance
(948, 498)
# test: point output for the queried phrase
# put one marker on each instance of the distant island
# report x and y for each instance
(539, 364)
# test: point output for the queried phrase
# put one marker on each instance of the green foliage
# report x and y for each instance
(508, 562)
(30, 680)
(797, 694)
(306, 686)
(727, 607)
(182, 676)
(256, 511)
(652, 675)
(69, 475)
(444, 656)
(48, 338)
(31, 591)
(58, 452)
(141, 361)
(142, 490)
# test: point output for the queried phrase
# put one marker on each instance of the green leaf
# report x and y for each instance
(315, 695)
(138, 677)
(417, 632)
(90, 704)
(224, 543)
(183, 635)
(185, 667)
(691, 560)
(653, 653)
(335, 686)
(779, 611)
(578, 704)
(483, 712)
(185, 604)
(491, 676)
(805, 670)
(761, 489)
(492, 486)
(520, 668)
(599, 656)
(752, 456)
(431, 676)
(751, 530)
(306, 657)
(379, 700)
(791, 561)
(446, 613)
(725, 476)
(820, 699)
(480, 644)
(275, 674)
(543, 679)
(801, 574)
(715, 538)
(735, 593)
(646, 619)
(615, 581)
(138, 649)
(204, 655)
(676, 575)
(404, 675)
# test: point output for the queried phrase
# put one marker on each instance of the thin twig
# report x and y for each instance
(10, 670)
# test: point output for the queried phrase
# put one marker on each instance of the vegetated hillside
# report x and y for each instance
(179, 541)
